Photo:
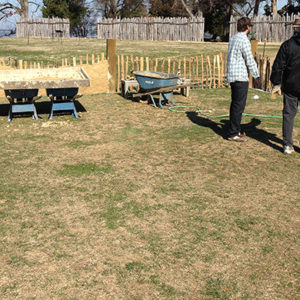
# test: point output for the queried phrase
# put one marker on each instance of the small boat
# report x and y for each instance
(149, 80)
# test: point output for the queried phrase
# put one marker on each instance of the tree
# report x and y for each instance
(74, 10)
(292, 7)
(121, 8)
(19, 7)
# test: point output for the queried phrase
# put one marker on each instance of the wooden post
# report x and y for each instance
(202, 71)
(254, 46)
(122, 67)
(197, 68)
(111, 55)
(126, 66)
(118, 73)
(184, 67)
(209, 70)
(142, 63)
(222, 69)
(147, 63)
(214, 73)
(20, 64)
(219, 71)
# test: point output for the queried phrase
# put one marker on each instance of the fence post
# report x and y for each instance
(254, 46)
(111, 55)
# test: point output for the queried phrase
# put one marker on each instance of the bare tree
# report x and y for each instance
(19, 7)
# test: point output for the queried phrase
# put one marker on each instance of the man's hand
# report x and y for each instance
(275, 90)
(257, 83)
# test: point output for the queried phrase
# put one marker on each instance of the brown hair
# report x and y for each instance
(242, 24)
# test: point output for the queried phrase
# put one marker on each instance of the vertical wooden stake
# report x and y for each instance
(147, 63)
(122, 67)
(80, 60)
(111, 55)
(74, 61)
(118, 74)
(222, 69)
(87, 59)
(142, 63)
(156, 65)
(93, 58)
(219, 71)
(169, 65)
(184, 67)
(163, 65)
(20, 64)
(197, 68)
(126, 66)
(214, 73)
(209, 70)
(202, 71)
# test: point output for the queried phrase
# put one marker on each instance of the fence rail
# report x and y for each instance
(267, 28)
(153, 29)
(42, 27)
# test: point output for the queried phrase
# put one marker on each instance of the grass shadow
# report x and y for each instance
(221, 128)
(218, 128)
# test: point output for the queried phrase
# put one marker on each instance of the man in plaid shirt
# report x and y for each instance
(239, 61)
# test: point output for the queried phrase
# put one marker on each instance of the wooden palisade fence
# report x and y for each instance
(43, 27)
(267, 28)
(10, 62)
(205, 72)
(153, 29)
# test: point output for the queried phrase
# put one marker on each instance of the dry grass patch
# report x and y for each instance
(133, 202)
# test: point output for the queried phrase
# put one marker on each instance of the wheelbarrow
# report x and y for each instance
(155, 83)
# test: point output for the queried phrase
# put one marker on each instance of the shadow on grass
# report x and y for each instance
(265, 137)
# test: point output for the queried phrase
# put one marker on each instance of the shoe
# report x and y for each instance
(242, 134)
(288, 149)
(237, 138)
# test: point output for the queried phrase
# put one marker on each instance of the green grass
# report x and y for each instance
(48, 50)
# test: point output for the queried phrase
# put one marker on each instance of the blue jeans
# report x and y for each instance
(239, 92)
(290, 108)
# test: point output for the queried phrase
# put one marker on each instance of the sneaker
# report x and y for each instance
(237, 138)
(288, 149)
(242, 134)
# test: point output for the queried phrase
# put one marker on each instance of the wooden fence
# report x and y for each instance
(153, 29)
(204, 71)
(270, 29)
(42, 27)
(9, 62)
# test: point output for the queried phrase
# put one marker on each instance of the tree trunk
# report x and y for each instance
(256, 8)
(187, 8)
(274, 7)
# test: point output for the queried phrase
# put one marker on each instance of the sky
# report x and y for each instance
(11, 22)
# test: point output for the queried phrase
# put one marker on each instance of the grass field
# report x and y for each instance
(49, 50)
(133, 202)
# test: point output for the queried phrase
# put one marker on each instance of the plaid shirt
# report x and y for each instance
(240, 59)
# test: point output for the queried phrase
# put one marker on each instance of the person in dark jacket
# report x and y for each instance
(286, 73)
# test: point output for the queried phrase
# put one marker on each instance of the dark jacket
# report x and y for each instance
(286, 67)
